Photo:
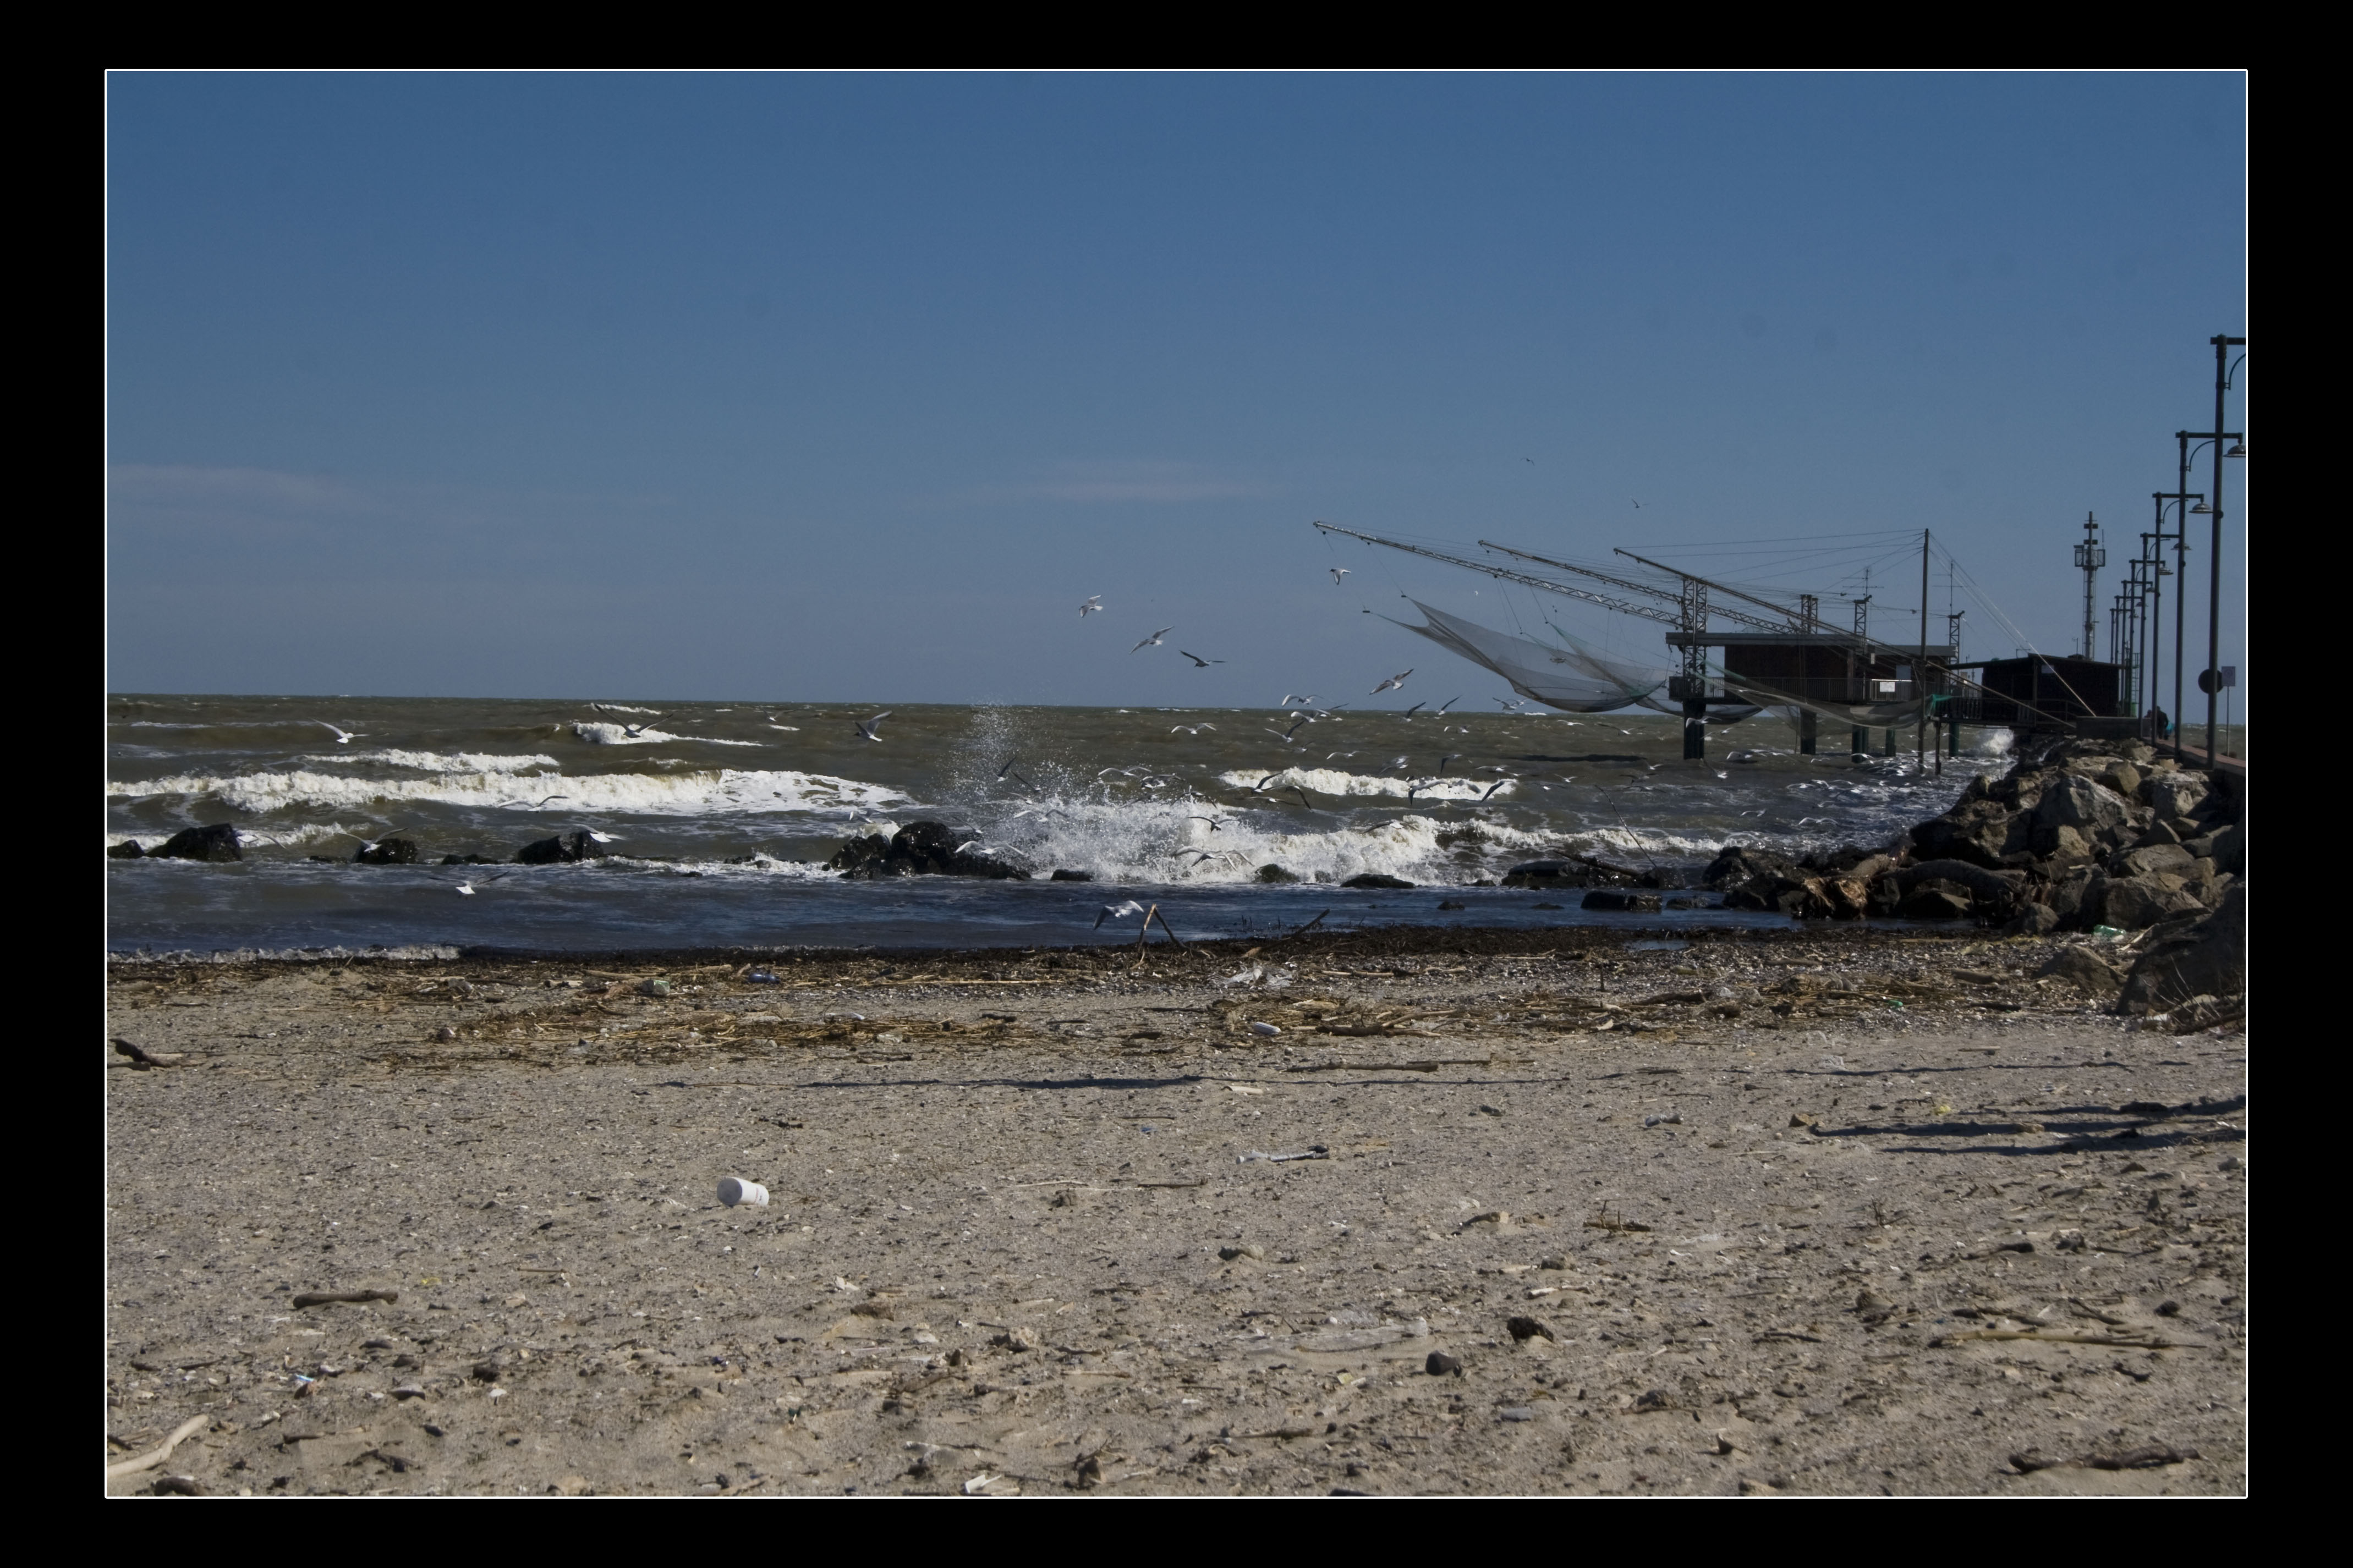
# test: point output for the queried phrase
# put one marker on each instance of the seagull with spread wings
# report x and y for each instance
(1152, 641)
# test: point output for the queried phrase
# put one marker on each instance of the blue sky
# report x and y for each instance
(837, 388)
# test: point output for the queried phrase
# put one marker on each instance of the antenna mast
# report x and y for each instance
(2089, 558)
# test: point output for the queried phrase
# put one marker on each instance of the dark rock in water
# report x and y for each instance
(1935, 900)
(387, 852)
(217, 842)
(467, 860)
(1983, 833)
(1452, 904)
(127, 850)
(562, 851)
(1549, 874)
(1271, 874)
(1741, 863)
(1995, 893)
(1072, 877)
(2204, 957)
(1374, 879)
(922, 849)
(1624, 902)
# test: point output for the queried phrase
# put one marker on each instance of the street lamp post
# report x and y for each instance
(2212, 680)
(2178, 497)
(2210, 508)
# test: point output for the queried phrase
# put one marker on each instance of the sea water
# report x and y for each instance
(720, 815)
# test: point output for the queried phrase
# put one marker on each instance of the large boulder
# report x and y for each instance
(127, 850)
(1995, 893)
(1984, 832)
(2076, 801)
(2173, 795)
(2078, 898)
(1935, 900)
(2088, 972)
(1374, 879)
(217, 842)
(2154, 859)
(2226, 846)
(563, 849)
(387, 852)
(1737, 864)
(2204, 957)
(918, 849)
(2135, 903)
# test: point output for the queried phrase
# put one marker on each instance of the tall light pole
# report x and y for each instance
(2178, 497)
(2212, 679)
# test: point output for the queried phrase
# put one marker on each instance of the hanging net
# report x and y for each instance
(1557, 677)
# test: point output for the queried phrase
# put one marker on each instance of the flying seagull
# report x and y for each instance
(866, 727)
(1191, 729)
(1198, 662)
(1214, 824)
(1152, 641)
(1094, 602)
(1391, 684)
(1338, 573)
(531, 805)
(467, 889)
(342, 736)
(1414, 708)
(1290, 697)
(1118, 912)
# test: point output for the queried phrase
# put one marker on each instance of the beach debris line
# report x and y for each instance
(349, 1297)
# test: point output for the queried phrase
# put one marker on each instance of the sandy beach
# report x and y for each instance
(1839, 1210)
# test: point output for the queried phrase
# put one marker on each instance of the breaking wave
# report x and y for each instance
(620, 735)
(437, 761)
(1333, 780)
(715, 791)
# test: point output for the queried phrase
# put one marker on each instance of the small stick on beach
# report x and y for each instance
(326, 1298)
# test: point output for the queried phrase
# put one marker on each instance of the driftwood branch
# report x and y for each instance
(154, 1457)
(324, 1298)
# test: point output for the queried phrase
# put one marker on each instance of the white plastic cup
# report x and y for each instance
(734, 1190)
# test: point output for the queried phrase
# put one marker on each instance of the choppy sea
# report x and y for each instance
(720, 815)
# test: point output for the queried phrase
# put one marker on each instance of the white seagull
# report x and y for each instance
(1198, 662)
(342, 736)
(1338, 573)
(1152, 641)
(1094, 602)
(866, 727)
(1118, 912)
(1391, 684)
(465, 890)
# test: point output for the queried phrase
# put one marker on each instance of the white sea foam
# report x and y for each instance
(706, 791)
(1162, 841)
(437, 761)
(618, 735)
(1333, 780)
